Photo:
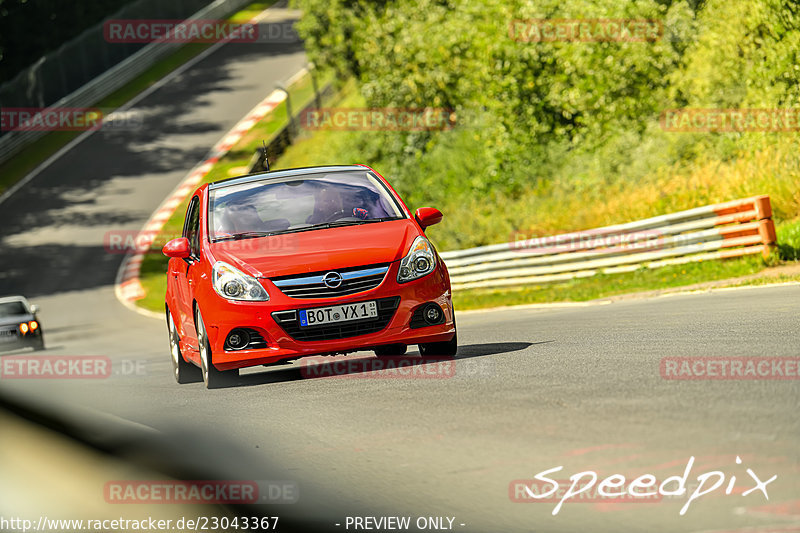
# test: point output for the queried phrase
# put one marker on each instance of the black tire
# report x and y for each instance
(212, 377)
(391, 350)
(440, 349)
(183, 371)
(39, 346)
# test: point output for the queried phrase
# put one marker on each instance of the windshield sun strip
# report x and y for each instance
(371, 176)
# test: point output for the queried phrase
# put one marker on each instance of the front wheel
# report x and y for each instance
(440, 349)
(212, 377)
(184, 372)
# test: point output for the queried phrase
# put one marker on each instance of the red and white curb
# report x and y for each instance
(128, 287)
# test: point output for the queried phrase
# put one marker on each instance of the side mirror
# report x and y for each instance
(34, 309)
(177, 248)
(428, 216)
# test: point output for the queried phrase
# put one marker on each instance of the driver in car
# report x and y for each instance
(329, 207)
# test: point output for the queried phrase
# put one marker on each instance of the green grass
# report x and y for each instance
(322, 147)
(789, 240)
(34, 154)
(154, 265)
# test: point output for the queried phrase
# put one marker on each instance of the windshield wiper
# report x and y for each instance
(351, 222)
(382, 219)
(245, 235)
(334, 224)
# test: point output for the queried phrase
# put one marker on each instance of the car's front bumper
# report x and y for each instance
(222, 316)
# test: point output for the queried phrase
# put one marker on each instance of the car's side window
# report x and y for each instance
(191, 229)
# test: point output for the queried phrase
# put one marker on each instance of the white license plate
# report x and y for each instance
(338, 313)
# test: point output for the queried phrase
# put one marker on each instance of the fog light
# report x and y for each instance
(433, 314)
(238, 339)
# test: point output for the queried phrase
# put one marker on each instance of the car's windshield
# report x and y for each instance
(299, 203)
(14, 308)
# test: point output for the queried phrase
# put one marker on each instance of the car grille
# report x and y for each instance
(311, 286)
(8, 333)
(289, 321)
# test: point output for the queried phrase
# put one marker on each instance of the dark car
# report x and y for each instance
(19, 325)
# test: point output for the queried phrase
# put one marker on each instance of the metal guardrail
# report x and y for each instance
(116, 77)
(731, 229)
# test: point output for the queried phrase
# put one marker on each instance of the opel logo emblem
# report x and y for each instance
(332, 280)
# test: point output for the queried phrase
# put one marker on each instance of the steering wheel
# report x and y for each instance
(335, 216)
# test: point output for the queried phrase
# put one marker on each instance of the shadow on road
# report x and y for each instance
(106, 182)
(494, 348)
(409, 366)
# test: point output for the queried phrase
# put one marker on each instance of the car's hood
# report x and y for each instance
(14, 320)
(321, 249)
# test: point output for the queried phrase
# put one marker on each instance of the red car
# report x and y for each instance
(308, 261)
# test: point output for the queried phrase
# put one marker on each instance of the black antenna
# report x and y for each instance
(266, 159)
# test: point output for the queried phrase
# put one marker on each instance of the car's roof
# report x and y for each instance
(6, 299)
(304, 171)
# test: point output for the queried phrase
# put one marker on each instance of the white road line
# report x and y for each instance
(624, 298)
(116, 419)
(124, 107)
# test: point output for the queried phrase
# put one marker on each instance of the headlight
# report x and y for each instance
(233, 284)
(419, 262)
